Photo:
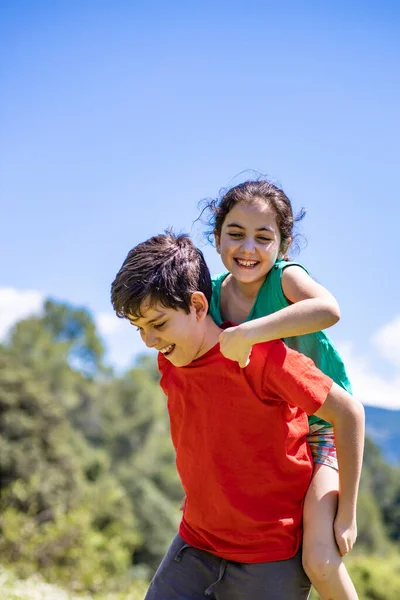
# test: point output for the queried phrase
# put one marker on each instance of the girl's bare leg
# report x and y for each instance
(321, 559)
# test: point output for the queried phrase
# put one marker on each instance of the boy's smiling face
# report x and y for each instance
(179, 336)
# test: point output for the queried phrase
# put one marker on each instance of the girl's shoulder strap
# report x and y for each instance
(215, 304)
(280, 265)
(218, 279)
(272, 297)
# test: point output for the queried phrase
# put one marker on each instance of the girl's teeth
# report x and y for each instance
(247, 263)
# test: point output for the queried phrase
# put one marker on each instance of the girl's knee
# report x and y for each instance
(321, 563)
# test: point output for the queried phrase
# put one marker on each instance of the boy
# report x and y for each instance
(239, 435)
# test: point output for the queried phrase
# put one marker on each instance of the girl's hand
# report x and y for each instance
(235, 346)
(345, 534)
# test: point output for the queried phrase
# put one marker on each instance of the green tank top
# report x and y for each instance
(270, 299)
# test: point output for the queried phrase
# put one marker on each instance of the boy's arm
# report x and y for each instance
(347, 417)
(313, 308)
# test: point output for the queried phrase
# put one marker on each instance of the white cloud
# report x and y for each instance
(109, 324)
(16, 305)
(123, 342)
(368, 385)
(387, 341)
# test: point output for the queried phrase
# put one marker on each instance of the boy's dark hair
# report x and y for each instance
(165, 269)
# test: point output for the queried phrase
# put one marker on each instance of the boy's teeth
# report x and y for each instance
(167, 349)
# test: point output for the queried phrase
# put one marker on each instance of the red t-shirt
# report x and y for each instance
(241, 450)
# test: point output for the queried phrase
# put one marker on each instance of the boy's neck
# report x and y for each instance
(210, 337)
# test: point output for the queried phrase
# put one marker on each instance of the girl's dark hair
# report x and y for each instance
(165, 269)
(216, 209)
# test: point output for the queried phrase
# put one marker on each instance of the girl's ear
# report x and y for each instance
(200, 304)
(284, 248)
(217, 239)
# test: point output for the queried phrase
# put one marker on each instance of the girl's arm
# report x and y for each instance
(313, 308)
(347, 418)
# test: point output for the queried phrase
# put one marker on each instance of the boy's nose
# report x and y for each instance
(150, 339)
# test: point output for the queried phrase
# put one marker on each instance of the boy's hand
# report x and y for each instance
(345, 534)
(235, 346)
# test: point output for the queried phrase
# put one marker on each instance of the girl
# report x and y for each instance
(270, 298)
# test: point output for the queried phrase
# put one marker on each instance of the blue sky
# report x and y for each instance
(117, 117)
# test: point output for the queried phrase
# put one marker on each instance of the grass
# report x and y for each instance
(35, 588)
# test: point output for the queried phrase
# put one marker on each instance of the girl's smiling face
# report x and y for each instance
(250, 241)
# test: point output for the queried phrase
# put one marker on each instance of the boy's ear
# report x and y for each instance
(200, 305)
(217, 239)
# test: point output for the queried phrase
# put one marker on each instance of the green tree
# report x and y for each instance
(63, 333)
(37, 443)
(382, 482)
(134, 431)
(63, 512)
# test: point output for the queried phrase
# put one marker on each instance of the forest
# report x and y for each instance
(89, 496)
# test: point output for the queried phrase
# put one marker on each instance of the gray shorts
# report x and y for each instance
(187, 573)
